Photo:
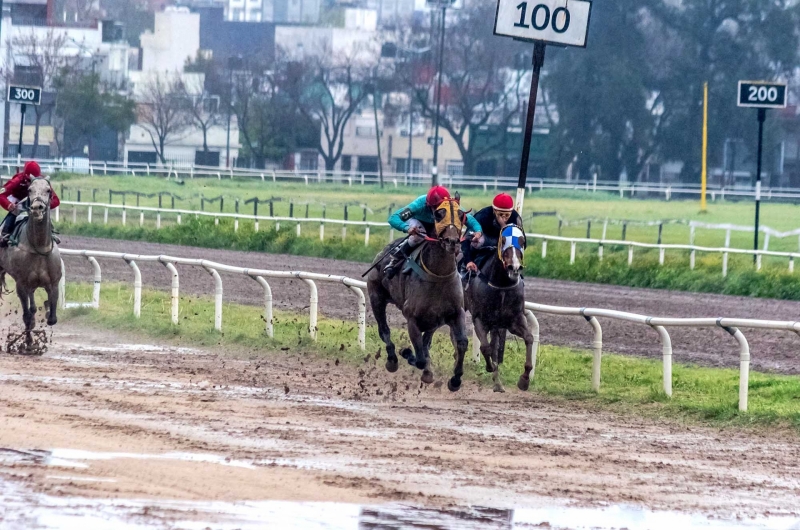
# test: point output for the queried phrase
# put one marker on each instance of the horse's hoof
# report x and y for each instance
(499, 389)
(524, 383)
(454, 385)
(392, 365)
(421, 364)
(406, 353)
(427, 377)
(52, 321)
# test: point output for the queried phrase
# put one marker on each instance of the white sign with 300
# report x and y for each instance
(564, 22)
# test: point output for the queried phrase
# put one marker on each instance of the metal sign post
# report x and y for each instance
(24, 95)
(761, 95)
(562, 22)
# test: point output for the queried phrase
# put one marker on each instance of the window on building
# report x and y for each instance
(400, 165)
(347, 163)
(141, 157)
(455, 168)
(202, 158)
(368, 164)
(309, 161)
(365, 132)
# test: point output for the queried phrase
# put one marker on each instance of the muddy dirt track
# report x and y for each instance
(771, 350)
(102, 421)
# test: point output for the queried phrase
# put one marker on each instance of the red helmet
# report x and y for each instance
(32, 169)
(436, 196)
(503, 203)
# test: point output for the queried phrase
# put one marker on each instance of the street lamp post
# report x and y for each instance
(233, 62)
(435, 168)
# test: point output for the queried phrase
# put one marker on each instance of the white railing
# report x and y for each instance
(309, 177)
(662, 249)
(368, 225)
(213, 268)
(659, 325)
(92, 208)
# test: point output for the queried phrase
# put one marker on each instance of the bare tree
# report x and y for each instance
(203, 108)
(41, 59)
(163, 111)
(326, 90)
(480, 86)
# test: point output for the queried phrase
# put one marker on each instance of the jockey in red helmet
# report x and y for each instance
(493, 219)
(417, 221)
(14, 192)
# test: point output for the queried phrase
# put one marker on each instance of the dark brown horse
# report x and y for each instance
(496, 300)
(430, 297)
(35, 261)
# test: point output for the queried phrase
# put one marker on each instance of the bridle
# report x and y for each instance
(456, 219)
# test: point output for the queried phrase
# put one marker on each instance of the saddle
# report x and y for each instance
(414, 264)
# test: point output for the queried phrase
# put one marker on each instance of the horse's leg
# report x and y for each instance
(378, 302)
(494, 348)
(52, 305)
(458, 331)
(483, 338)
(27, 315)
(423, 360)
(520, 328)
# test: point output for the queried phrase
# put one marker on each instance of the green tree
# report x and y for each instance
(83, 108)
(719, 41)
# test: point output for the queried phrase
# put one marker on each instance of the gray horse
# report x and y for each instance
(430, 297)
(496, 300)
(35, 261)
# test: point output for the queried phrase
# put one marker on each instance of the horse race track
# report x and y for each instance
(107, 427)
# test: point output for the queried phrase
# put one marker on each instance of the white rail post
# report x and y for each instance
(630, 255)
(744, 365)
(74, 214)
(791, 265)
(362, 317)
(137, 288)
(544, 248)
(141, 218)
(105, 216)
(98, 278)
(313, 309)
(391, 235)
(366, 237)
(58, 214)
(666, 353)
(600, 252)
(597, 350)
(691, 234)
(124, 216)
(158, 220)
(267, 306)
(62, 287)
(572, 249)
(533, 325)
(344, 232)
(217, 298)
(724, 264)
(322, 232)
(179, 218)
(216, 221)
(758, 262)
(298, 229)
(89, 215)
(176, 291)
(661, 253)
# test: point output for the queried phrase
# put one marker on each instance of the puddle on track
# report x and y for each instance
(23, 508)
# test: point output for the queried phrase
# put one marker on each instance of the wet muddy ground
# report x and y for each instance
(772, 351)
(172, 437)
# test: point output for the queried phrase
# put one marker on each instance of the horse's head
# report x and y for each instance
(511, 250)
(39, 195)
(450, 221)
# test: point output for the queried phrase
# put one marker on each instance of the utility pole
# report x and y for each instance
(435, 168)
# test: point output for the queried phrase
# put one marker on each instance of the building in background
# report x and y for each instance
(175, 41)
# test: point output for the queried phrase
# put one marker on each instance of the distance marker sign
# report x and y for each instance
(25, 95)
(762, 95)
(564, 22)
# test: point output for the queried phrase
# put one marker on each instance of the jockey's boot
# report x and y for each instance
(54, 235)
(398, 256)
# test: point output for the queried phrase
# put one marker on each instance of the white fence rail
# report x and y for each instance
(693, 250)
(213, 268)
(309, 177)
(592, 316)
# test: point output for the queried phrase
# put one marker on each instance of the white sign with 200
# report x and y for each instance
(564, 22)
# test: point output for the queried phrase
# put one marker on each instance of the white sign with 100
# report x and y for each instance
(564, 22)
